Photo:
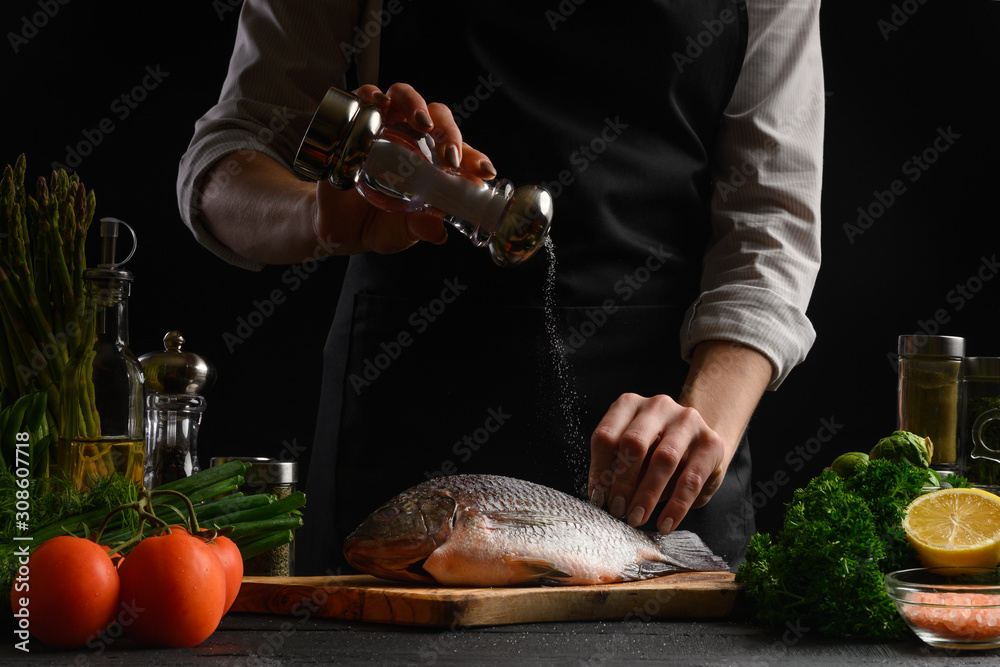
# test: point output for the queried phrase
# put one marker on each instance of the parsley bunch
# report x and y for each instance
(824, 570)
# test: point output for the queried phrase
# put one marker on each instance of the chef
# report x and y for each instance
(682, 144)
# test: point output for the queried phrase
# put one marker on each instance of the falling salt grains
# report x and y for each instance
(569, 399)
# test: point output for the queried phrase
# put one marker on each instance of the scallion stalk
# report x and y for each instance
(265, 543)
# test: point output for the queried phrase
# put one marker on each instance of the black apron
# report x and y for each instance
(438, 362)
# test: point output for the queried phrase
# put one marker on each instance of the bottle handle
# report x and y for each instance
(981, 449)
(109, 236)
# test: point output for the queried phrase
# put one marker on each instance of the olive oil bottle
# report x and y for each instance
(101, 390)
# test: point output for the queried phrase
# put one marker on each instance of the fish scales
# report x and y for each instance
(488, 530)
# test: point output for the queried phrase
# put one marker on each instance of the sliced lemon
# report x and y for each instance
(955, 528)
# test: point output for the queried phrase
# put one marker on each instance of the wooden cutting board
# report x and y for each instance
(366, 598)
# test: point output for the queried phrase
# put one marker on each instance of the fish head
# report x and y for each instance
(396, 539)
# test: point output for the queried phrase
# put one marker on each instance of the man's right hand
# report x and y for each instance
(265, 213)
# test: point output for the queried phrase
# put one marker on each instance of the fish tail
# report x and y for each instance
(685, 550)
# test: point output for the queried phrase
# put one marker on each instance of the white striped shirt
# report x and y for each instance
(761, 266)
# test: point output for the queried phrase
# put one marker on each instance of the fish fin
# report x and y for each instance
(647, 569)
(684, 550)
(536, 569)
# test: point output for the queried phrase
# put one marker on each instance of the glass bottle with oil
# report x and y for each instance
(101, 407)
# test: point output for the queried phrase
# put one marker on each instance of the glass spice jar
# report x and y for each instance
(279, 479)
(930, 370)
(980, 441)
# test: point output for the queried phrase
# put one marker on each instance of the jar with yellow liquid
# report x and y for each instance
(102, 428)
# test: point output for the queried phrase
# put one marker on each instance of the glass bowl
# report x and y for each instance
(947, 607)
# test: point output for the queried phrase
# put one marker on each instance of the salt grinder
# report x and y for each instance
(175, 381)
(396, 168)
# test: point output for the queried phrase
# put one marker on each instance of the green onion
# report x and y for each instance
(265, 543)
(255, 520)
(199, 480)
(255, 528)
(230, 506)
(283, 506)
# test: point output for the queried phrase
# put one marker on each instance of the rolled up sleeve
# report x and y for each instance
(285, 57)
(761, 266)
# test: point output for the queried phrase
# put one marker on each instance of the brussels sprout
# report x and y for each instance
(849, 464)
(903, 446)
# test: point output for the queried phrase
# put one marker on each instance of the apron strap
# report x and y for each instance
(367, 60)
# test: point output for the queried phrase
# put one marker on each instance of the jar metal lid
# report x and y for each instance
(937, 346)
(264, 470)
(981, 367)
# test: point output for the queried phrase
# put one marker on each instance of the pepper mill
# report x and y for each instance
(175, 381)
(396, 168)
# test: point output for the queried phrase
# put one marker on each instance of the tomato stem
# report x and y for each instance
(143, 506)
(192, 521)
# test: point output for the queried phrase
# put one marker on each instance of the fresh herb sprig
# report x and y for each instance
(825, 568)
(62, 501)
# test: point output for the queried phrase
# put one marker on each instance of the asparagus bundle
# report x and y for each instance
(42, 259)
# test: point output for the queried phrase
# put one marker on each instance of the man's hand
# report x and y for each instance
(401, 103)
(356, 226)
(261, 210)
(649, 449)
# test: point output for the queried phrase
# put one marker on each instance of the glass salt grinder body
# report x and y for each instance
(930, 369)
(396, 168)
(175, 381)
(101, 390)
(980, 440)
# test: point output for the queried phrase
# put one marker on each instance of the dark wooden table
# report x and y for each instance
(257, 639)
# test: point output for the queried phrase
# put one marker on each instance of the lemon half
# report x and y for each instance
(955, 528)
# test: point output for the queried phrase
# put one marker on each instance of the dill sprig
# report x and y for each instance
(62, 500)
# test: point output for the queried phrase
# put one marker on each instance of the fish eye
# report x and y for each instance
(389, 513)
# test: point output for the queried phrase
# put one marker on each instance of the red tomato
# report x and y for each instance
(232, 560)
(116, 558)
(72, 591)
(173, 591)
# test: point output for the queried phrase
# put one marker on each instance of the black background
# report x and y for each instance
(889, 92)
